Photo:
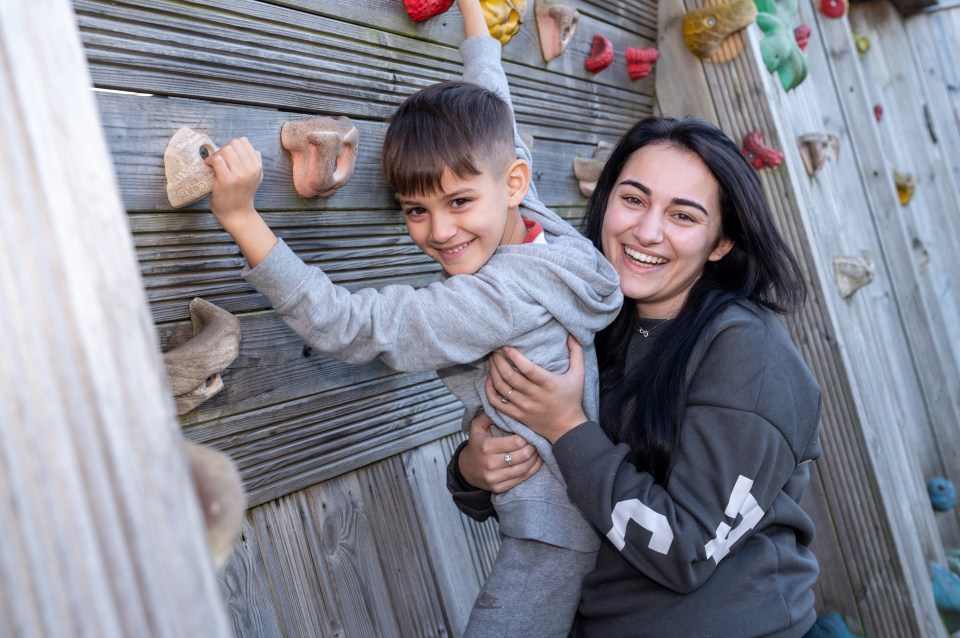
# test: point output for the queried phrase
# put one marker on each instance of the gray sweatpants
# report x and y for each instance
(533, 591)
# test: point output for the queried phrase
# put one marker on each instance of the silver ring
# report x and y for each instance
(508, 459)
(505, 398)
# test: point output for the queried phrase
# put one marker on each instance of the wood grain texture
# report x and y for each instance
(883, 580)
(911, 138)
(102, 534)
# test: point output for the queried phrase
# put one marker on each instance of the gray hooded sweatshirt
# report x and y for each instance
(528, 296)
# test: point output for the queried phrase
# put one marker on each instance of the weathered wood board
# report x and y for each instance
(101, 531)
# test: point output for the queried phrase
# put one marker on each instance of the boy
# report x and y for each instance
(462, 177)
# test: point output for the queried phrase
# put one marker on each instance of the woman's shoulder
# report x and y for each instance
(748, 361)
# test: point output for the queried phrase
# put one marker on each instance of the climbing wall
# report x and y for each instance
(350, 529)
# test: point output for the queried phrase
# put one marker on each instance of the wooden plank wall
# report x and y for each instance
(890, 396)
(350, 531)
(101, 531)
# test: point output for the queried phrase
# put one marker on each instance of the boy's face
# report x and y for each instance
(461, 225)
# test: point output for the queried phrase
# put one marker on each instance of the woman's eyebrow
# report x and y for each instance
(679, 201)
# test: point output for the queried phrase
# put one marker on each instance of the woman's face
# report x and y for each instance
(661, 226)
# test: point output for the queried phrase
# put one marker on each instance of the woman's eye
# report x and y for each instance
(684, 217)
(633, 200)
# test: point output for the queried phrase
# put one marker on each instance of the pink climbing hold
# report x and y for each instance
(640, 61)
(601, 54)
(802, 35)
(833, 8)
(878, 112)
(420, 10)
(759, 154)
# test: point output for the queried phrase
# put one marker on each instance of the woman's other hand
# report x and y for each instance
(549, 404)
(483, 461)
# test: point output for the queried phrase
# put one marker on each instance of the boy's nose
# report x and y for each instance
(442, 228)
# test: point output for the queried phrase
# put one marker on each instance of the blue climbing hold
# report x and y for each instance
(943, 495)
(832, 625)
(946, 594)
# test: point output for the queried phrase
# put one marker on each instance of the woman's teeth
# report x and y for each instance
(648, 260)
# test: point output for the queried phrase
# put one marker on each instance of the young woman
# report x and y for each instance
(708, 413)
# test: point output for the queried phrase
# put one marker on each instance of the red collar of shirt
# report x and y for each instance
(534, 230)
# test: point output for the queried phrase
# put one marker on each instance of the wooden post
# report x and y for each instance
(101, 533)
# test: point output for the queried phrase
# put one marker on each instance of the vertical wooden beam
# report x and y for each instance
(101, 532)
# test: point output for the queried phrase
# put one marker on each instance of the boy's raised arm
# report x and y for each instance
(239, 171)
(473, 21)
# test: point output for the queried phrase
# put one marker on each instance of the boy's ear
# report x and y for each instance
(518, 181)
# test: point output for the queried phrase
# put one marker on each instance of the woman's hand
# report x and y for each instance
(483, 460)
(549, 404)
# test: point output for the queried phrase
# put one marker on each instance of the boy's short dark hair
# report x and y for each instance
(456, 125)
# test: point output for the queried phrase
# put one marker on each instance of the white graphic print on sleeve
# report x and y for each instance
(654, 522)
(742, 503)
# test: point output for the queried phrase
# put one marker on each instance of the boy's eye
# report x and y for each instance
(415, 212)
(460, 202)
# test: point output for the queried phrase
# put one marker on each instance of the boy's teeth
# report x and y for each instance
(647, 259)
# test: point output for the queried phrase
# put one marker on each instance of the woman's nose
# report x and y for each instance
(649, 227)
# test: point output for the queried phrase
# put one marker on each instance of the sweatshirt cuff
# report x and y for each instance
(474, 502)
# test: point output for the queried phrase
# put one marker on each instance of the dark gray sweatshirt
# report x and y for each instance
(529, 296)
(722, 548)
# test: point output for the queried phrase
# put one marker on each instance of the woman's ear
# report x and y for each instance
(518, 181)
(724, 246)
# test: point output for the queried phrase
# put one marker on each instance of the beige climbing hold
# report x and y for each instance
(193, 368)
(188, 176)
(815, 149)
(556, 23)
(323, 151)
(587, 169)
(223, 500)
(853, 272)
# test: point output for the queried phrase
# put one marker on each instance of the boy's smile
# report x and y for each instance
(461, 225)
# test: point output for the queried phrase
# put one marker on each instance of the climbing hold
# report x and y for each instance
(504, 17)
(188, 176)
(587, 170)
(420, 10)
(832, 625)
(193, 368)
(853, 273)
(705, 28)
(814, 150)
(759, 154)
(323, 151)
(802, 35)
(906, 186)
(878, 112)
(556, 23)
(779, 49)
(222, 498)
(833, 8)
(640, 61)
(946, 595)
(601, 54)
(862, 43)
(943, 495)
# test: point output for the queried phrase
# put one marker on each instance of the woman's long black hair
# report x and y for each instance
(644, 407)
